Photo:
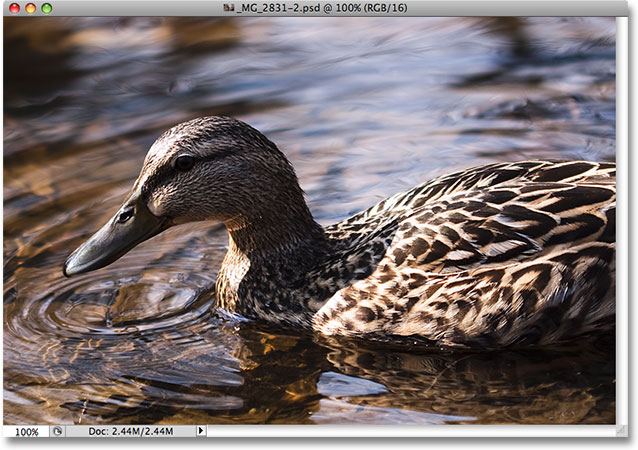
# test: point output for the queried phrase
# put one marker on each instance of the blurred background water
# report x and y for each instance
(363, 108)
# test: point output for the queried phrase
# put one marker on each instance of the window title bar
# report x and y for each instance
(448, 8)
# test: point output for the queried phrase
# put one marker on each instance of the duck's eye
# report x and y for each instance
(184, 163)
(125, 215)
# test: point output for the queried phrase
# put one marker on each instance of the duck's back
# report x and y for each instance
(496, 255)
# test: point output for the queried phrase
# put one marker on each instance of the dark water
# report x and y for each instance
(364, 109)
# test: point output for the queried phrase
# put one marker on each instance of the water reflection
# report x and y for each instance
(244, 374)
(525, 386)
(393, 103)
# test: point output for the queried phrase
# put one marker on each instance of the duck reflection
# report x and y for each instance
(539, 386)
(313, 379)
(267, 376)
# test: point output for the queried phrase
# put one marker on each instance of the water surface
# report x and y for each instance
(363, 108)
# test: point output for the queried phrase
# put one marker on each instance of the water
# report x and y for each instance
(363, 109)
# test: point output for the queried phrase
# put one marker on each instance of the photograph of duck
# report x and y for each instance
(505, 254)
(270, 221)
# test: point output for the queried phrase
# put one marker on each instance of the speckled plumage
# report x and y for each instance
(518, 253)
(505, 254)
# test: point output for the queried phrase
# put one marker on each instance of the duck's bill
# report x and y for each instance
(132, 224)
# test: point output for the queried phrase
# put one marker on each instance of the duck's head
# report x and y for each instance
(211, 168)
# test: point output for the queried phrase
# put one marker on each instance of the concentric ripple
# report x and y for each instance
(173, 301)
(114, 333)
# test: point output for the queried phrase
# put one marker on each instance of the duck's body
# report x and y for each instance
(505, 254)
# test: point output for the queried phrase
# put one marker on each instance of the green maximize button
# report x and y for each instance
(47, 8)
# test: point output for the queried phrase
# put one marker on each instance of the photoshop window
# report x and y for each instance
(273, 218)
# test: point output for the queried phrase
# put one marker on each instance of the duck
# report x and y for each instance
(506, 254)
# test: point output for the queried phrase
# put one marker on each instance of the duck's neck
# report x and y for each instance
(268, 237)
(266, 255)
